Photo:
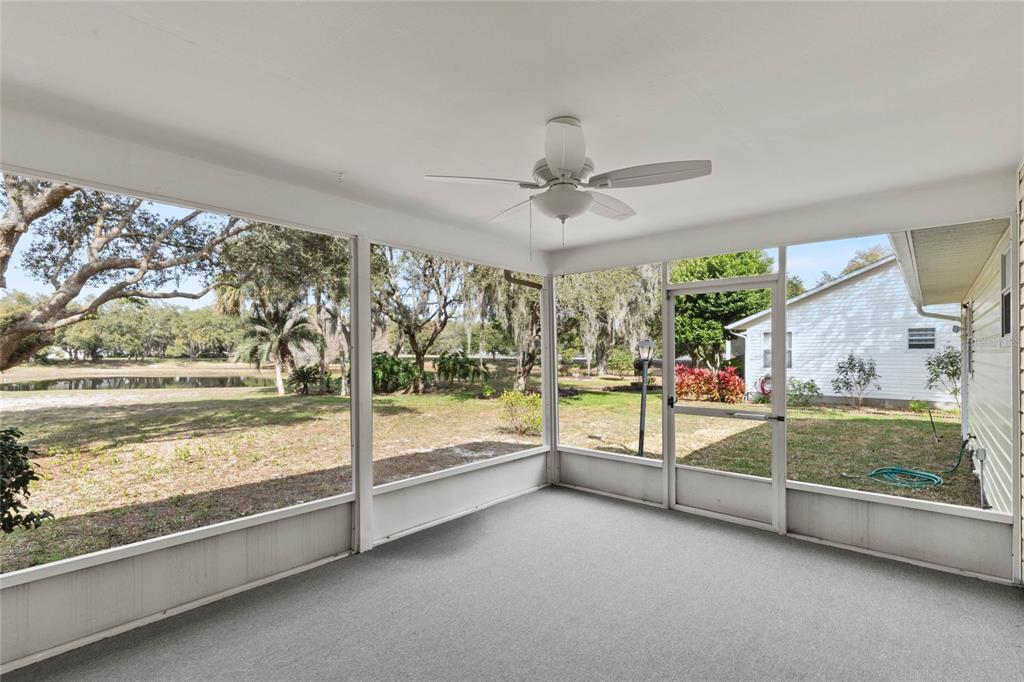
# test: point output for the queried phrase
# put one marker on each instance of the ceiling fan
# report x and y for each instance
(566, 176)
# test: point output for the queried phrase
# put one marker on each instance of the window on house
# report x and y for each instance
(766, 350)
(921, 338)
(1004, 296)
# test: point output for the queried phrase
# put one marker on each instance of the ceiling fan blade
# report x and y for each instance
(609, 207)
(504, 214)
(651, 174)
(564, 147)
(482, 181)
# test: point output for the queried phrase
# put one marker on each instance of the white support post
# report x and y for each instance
(362, 397)
(668, 388)
(779, 474)
(549, 374)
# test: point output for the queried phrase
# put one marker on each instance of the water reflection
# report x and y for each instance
(95, 383)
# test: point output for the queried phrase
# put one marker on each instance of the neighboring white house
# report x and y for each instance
(973, 266)
(868, 313)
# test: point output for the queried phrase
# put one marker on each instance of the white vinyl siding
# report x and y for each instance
(990, 406)
(867, 315)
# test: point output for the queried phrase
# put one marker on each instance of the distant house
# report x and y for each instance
(867, 312)
(971, 266)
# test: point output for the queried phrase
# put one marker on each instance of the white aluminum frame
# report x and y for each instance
(776, 284)
(459, 481)
(549, 374)
(668, 383)
(459, 478)
(361, 411)
(879, 502)
(780, 336)
(106, 556)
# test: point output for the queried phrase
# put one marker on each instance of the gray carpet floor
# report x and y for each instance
(564, 585)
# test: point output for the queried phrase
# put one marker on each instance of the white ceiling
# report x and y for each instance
(795, 103)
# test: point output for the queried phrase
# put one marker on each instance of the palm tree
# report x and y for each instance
(272, 330)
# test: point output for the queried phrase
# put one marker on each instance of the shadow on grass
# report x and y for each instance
(839, 452)
(69, 536)
(84, 426)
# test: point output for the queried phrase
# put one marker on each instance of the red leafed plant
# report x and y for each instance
(722, 386)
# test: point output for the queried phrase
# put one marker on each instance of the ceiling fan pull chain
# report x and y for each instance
(531, 229)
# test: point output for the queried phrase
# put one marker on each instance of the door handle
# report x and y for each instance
(757, 417)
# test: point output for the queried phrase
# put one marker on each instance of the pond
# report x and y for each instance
(95, 383)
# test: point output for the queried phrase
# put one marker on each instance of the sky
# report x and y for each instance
(808, 260)
(805, 260)
(19, 280)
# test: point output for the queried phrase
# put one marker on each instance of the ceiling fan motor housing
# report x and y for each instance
(543, 175)
(566, 180)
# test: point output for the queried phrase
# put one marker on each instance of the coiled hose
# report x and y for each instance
(913, 478)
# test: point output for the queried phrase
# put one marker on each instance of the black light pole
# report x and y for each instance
(646, 352)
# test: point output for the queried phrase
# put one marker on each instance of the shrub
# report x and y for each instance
(694, 384)
(638, 374)
(17, 475)
(731, 388)
(522, 411)
(301, 378)
(392, 374)
(565, 356)
(620, 361)
(854, 376)
(802, 393)
(919, 406)
(724, 386)
(944, 370)
(456, 365)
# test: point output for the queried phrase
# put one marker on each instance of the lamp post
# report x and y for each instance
(646, 352)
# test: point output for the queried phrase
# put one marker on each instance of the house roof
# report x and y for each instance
(750, 320)
(940, 264)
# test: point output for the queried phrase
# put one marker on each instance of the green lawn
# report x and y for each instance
(823, 443)
(126, 465)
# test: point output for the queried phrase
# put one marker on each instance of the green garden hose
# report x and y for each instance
(904, 478)
(912, 478)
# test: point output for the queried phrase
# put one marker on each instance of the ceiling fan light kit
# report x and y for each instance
(563, 201)
(565, 176)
